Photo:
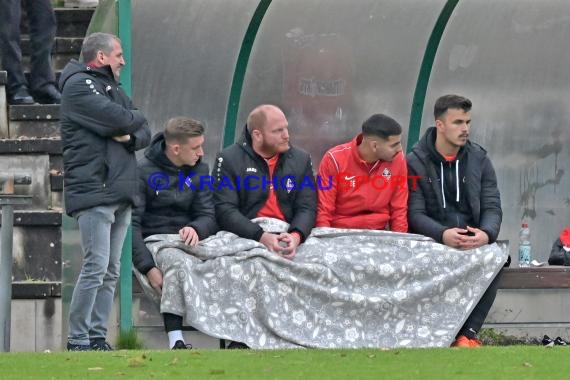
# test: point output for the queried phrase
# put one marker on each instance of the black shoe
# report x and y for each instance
(180, 345)
(100, 345)
(48, 94)
(546, 341)
(560, 342)
(21, 97)
(237, 346)
(78, 347)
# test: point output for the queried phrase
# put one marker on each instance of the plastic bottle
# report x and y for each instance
(525, 254)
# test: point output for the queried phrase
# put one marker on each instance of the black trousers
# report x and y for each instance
(477, 317)
(42, 34)
(172, 322)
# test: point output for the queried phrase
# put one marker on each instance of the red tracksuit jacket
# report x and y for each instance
(367, 196)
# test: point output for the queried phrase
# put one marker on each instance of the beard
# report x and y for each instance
(273, 149)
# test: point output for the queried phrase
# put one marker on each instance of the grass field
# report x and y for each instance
(515, 362)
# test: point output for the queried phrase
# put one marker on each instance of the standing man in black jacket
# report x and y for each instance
(177, 205)
(266, 176)
(457, 201)
(100, 130)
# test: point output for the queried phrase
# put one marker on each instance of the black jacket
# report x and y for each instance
(479, 199)
(97, 169)
(236, 205)
(559, 256)
(167, 211)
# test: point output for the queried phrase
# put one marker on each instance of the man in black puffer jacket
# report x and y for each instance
(100, 130)
(263, 154)
(456, 200)
(173, 206)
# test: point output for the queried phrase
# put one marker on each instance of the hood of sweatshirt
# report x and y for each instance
(448, 170)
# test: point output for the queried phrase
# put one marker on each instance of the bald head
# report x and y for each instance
(261, 115)
(268, 128)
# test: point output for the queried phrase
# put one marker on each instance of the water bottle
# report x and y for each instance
(524, 246)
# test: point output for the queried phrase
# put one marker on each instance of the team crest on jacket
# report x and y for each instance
(386, 173)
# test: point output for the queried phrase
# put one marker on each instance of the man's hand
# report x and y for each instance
(284, 244)
(189, 236)
(454, 237)
(479, 238)
(122, 139)
(154, 277)
(459, 238)
(289, 243)
(271, 242)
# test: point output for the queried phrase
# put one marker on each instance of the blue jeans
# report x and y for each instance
(103, 230)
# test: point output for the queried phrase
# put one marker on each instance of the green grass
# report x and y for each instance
(129, 340)
(515, 362)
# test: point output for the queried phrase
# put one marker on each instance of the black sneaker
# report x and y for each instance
(237, 346)
(78, 347)
(180, 345)
(547, 342)
(21, 97)
(560, 342)
(100, 345)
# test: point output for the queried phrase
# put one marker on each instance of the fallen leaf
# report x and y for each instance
(527, 364)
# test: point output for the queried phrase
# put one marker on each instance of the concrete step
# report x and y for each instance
(58, 60)
(51, 146)
(25, 290)
(62, 45)
(36, 218)
(71, 22)
(37, 245)
(34, 121)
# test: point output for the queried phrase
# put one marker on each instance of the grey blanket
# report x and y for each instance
(345, 288)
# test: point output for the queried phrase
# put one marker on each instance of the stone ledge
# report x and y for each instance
(36, 218)
(36, 290)
(551, 277)
(41, 145)
(62, 45)
(73, 15)
(49, 112)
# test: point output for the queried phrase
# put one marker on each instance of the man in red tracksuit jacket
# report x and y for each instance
(363, 183)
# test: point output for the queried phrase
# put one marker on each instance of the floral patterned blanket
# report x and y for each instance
(344, 289)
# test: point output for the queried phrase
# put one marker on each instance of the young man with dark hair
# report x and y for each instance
(363, 183)
(178, 208)
(457, 201)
